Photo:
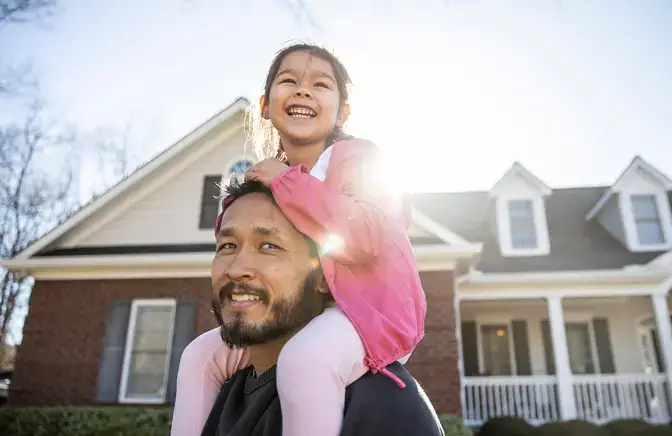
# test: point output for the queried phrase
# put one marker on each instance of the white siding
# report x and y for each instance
(169, 213)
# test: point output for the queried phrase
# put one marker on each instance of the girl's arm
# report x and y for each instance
(351, 224)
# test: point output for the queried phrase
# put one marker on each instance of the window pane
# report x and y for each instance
(647, 220)
(650, 232)
(146, 375)
(523, 231)
(579, 347)
(149, 352)
(644, 207)
(496, 350)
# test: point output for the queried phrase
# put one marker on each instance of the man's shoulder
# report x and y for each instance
(375, 405)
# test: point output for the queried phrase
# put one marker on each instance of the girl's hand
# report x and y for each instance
(266, 171)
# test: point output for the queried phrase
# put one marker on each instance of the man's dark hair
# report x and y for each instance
(235, 189)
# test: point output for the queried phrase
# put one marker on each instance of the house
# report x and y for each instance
(545, 303)
(565, 314)
(124, 285)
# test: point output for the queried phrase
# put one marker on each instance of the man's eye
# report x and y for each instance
(269, 246)
(227, 246)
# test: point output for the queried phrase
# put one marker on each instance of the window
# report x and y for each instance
(147, 353)
(496, 348)
(523, 230)
(238, 169)
(647, 220)
(210, 201)
(580, 348)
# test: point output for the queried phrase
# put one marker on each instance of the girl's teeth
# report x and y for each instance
(299, 112)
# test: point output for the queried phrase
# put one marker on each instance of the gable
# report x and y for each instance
(519, 178)
(165, 208)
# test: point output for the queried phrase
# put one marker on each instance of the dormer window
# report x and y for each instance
(647, 220)
(520, 206)
(521, 220)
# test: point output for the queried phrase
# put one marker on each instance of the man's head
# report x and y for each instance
(266, 278)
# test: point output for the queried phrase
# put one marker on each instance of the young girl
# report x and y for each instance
(365, 255)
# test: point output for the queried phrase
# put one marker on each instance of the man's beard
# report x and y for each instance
(286, 315)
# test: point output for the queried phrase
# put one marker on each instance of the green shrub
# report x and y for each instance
(453, 426)
(506, 426)
(571, 428)
(635, 427)
(84, 421)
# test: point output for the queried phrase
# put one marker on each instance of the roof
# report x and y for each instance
(47, 245)
(576, 244)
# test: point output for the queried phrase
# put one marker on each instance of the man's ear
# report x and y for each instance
(322, 285)
(343, 115)
(264, 107)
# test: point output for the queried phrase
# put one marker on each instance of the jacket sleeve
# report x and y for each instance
(348, 224)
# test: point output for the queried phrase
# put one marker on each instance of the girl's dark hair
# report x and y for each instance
(263, 136)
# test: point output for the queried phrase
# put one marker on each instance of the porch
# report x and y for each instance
(546, 359)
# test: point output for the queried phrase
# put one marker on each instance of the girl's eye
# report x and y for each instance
(227, 246)
(268, 246)
(322, 85)
(287, 80)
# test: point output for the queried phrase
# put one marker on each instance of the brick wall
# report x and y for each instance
(58, 361)
(435, 361)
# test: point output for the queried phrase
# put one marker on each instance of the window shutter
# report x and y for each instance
(112, 356)
(521, 347)
(548, 347)
(469, 348)
(604, 352)
(210, 201)
(183, 333)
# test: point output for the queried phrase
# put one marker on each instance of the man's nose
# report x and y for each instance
(241, 268)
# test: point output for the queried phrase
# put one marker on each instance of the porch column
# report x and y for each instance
(661, 312)
(563, 371)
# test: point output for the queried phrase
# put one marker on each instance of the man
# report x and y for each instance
(267, 285)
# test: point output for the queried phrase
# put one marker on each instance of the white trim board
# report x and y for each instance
(237, 106)
(565, 277)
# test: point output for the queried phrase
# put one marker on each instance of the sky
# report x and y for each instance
(454, 91)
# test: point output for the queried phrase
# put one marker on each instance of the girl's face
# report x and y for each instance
(304, 101)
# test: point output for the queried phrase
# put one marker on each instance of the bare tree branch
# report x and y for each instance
(23, 11)
(302, 13)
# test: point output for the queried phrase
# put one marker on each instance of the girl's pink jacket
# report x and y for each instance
(371, 269)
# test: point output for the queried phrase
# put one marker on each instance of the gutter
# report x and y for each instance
(434, 252)
(625, 275)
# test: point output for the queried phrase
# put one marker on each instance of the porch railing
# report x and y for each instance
(605, 397)
(530, 397)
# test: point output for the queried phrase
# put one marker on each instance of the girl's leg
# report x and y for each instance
(205, 365)
(314, 368)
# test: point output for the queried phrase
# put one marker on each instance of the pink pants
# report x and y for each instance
(314, 367)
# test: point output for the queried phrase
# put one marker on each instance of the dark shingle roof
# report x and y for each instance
(575, 243)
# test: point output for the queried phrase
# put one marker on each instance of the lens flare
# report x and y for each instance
(332, 243)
